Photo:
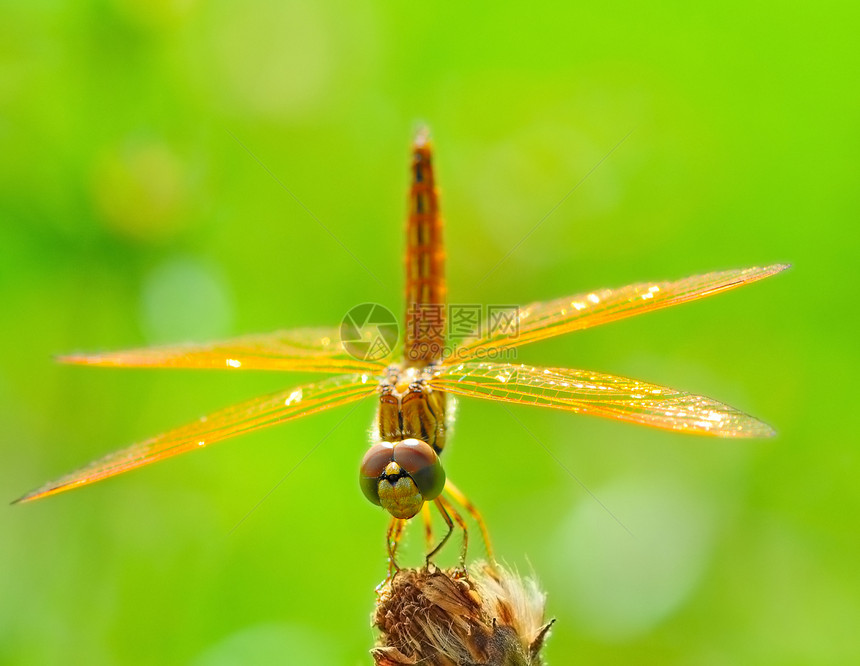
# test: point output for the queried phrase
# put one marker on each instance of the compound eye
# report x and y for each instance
(372, 466)
(420, 461)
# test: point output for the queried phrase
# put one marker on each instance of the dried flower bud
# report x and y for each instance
(489, 616)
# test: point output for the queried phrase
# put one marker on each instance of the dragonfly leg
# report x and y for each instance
(462, 523)
(463, 501)
(448, 522)
(395, 531)
(428, 526)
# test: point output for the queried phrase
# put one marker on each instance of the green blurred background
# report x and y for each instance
(130, 214)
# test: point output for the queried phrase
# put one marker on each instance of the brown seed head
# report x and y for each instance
(488, 617)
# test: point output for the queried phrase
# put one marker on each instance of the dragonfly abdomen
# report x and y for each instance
(425, 262)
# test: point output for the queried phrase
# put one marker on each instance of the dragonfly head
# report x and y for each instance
(401, 476)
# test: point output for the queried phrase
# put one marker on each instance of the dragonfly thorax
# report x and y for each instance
(409, 408)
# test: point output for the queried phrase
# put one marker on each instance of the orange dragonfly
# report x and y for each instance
(401, 471)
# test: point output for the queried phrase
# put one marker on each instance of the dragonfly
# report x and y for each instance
(402, 471)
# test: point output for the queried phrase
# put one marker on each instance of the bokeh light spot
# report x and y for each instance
(185, 299)
(272, 60)
(141, 190)
(620, 585)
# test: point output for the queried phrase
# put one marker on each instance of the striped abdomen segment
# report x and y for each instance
(425, 262)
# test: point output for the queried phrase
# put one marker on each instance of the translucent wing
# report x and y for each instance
(257, 413)
(299, 350)
(595, 393)
(539, 321)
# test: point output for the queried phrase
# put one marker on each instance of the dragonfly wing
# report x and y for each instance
(258, 413)
(539, 321)
(599, 394)
(299, 350)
